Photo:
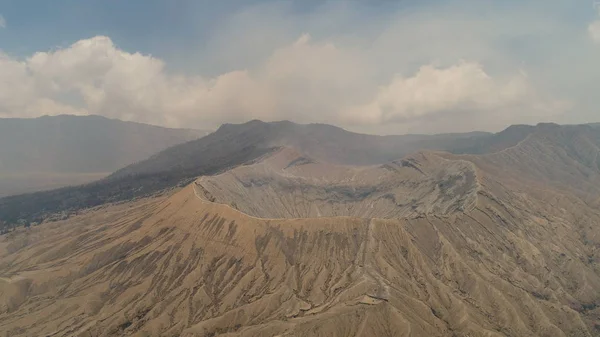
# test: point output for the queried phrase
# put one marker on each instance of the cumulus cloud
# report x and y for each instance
(2, 22)
(465, 87)
(388, 77)
(594, 30)
(305, 81)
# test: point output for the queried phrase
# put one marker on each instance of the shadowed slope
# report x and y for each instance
(320, 141)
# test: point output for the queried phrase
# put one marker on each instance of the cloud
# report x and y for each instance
(399, 72)
(594, 30)
(464, 88)
(305, 81)
(2, 22)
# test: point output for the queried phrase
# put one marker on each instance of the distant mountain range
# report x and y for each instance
(235, 144)
(321, 141)
(55, 151)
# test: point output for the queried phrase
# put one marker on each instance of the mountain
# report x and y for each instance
(498, 242)
(231, 145)
(321, 141)
(49, 152)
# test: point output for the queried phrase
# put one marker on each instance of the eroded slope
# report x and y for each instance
(181, 266)
(517, 262)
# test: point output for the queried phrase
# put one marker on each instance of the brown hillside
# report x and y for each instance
(488, 251)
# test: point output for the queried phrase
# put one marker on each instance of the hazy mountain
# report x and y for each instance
(62, 150)
(503, 241)
(321, 141)
(232, 145)
(565, 157)
(229, 146)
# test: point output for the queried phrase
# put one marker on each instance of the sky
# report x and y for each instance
(380, 66)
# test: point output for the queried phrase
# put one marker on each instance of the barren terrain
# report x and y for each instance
(432, 244)
(291, 185)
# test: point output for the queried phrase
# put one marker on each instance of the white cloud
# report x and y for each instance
(2, 22)
(402, 72)
(594, 30)
(305, 81)
(502, 39)
(464, 88)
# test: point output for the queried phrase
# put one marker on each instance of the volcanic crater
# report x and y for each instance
(288, 184)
